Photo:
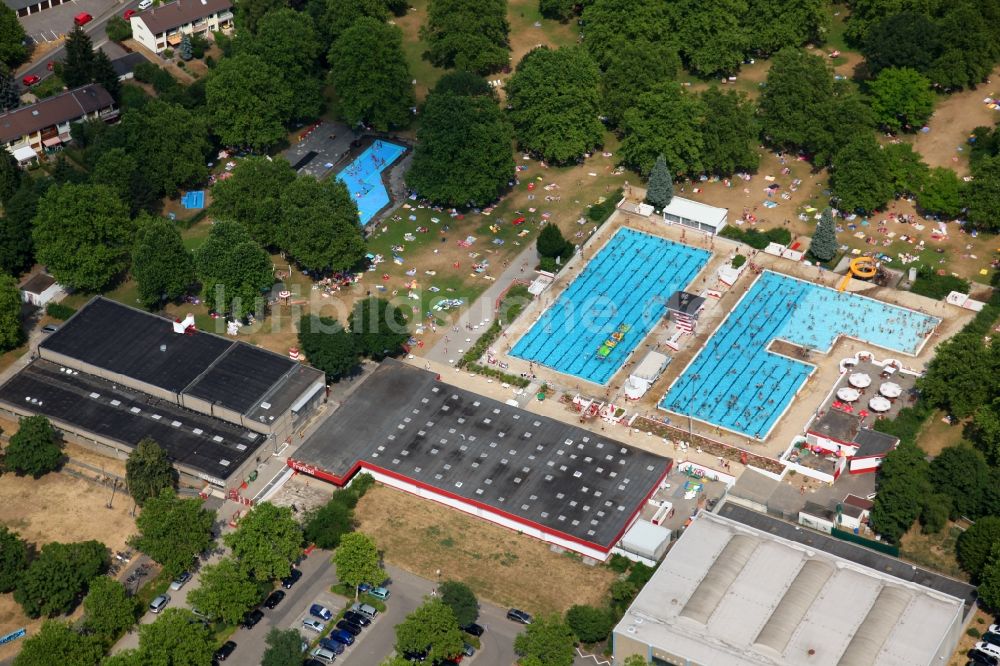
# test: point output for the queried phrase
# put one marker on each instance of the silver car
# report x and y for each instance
(159, 603)
(313, 625)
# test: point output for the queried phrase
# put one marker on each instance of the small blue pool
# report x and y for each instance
(735, 383)
(363, 178)
(612, 305)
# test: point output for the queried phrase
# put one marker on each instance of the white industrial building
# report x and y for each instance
(742, 588)
(695, 215)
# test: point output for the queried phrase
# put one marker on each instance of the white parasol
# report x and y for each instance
(848, 394)
(879, 404)
(890, 389)
(860, 380)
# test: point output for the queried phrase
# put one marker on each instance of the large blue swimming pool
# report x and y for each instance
(363, 178)
(734, 382)
(622, 294)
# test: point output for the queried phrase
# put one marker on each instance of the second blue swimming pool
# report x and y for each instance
(363, 178)
(621, 293)
(734, 382)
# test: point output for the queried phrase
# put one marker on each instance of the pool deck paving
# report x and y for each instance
(802, 407)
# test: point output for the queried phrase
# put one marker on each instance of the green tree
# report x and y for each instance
(326, 525)
(173, 531)
(148, 471)
(730, 132)
(861, 180)
(162, 267)
(591, 625)
(330, 348)
(234, 270)
(472, 35)
(552, 243)
(252, 197)
(266, 541)
(608, 24)
(935, 513)
(380, 328)
(464, 147)
(333, 17)
(620, 87)
(901, 99)
(557, 10)
(109, 611)
(184, 50)
(984, 432)
(461, 600)
(10, 99)
(17, 250)
(83, 234)
(370, 76)
(119, 169)
(357, 560)
(59, 643)
(984, 195)
(321, 227)
(11, 331)
(15, 555)
(287, 40)
(226, 592)
(12, 39)
(961, 473)
(902, 490)
(103, 73)
(989, 581)
(249, 101)
(711, 37)
(771, 24)
(907, 172)
(943, 193)
(970, 48)
(824, 242)
(975, 544)
(554, 103)
(548, 640)
(908, 39)
(35, 449)
(962, 375)
(118, 29)
(431, 628)
(284, 648)
(660, 188)
(802, 108)
(665, 121)
(78, 63)
(57, 579)
(176, 638)
(171, 143)
(249, 13)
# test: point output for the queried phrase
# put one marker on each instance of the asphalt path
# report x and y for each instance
(97, 29)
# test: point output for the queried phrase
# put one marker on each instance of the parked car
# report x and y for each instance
(468, 650)
(313, 661)
(159, 603)
(379, 593)
(364, 587)
(988, 648)
(332, 645)
(342, 636)
(179, 582)
(30, 80)
(365, 609)
(518, 615)
(991, 637)
(322, 655)
(349, 627)
(251, 619)
(314, 625)
(83, 18)
(357, 618)
(223, 652)
(48, 328)
(415, 656)
(145, 4)
(274, 599)
(474, 629)
(291, 579)
(994, 628)
(322, 612)
(128, 13)
(982, 659)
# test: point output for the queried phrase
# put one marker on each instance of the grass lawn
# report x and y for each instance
(500, 565)
(936, 435)
(933, 551)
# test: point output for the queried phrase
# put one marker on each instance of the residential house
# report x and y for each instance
(46, 123)
(163, 27)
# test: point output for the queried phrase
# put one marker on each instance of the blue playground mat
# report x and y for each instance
(195, 199)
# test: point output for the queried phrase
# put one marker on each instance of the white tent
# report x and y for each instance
(645, 374)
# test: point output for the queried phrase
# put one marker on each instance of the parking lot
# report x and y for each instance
(52, 24)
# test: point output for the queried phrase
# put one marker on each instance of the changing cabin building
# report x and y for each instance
(113, 375)
(695, 215)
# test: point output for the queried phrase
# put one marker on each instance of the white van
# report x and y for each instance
(369, 611)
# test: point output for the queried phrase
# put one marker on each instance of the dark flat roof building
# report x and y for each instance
(552, 480)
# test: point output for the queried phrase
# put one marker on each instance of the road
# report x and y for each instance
(63, 14)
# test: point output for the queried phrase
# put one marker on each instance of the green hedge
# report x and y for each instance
(601, 212)
(932, 285)
(739, 260)
(756, 238)
(59, 311)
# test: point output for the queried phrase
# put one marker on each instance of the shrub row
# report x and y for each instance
(601, 212)
(756, 238)
(59, 311)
